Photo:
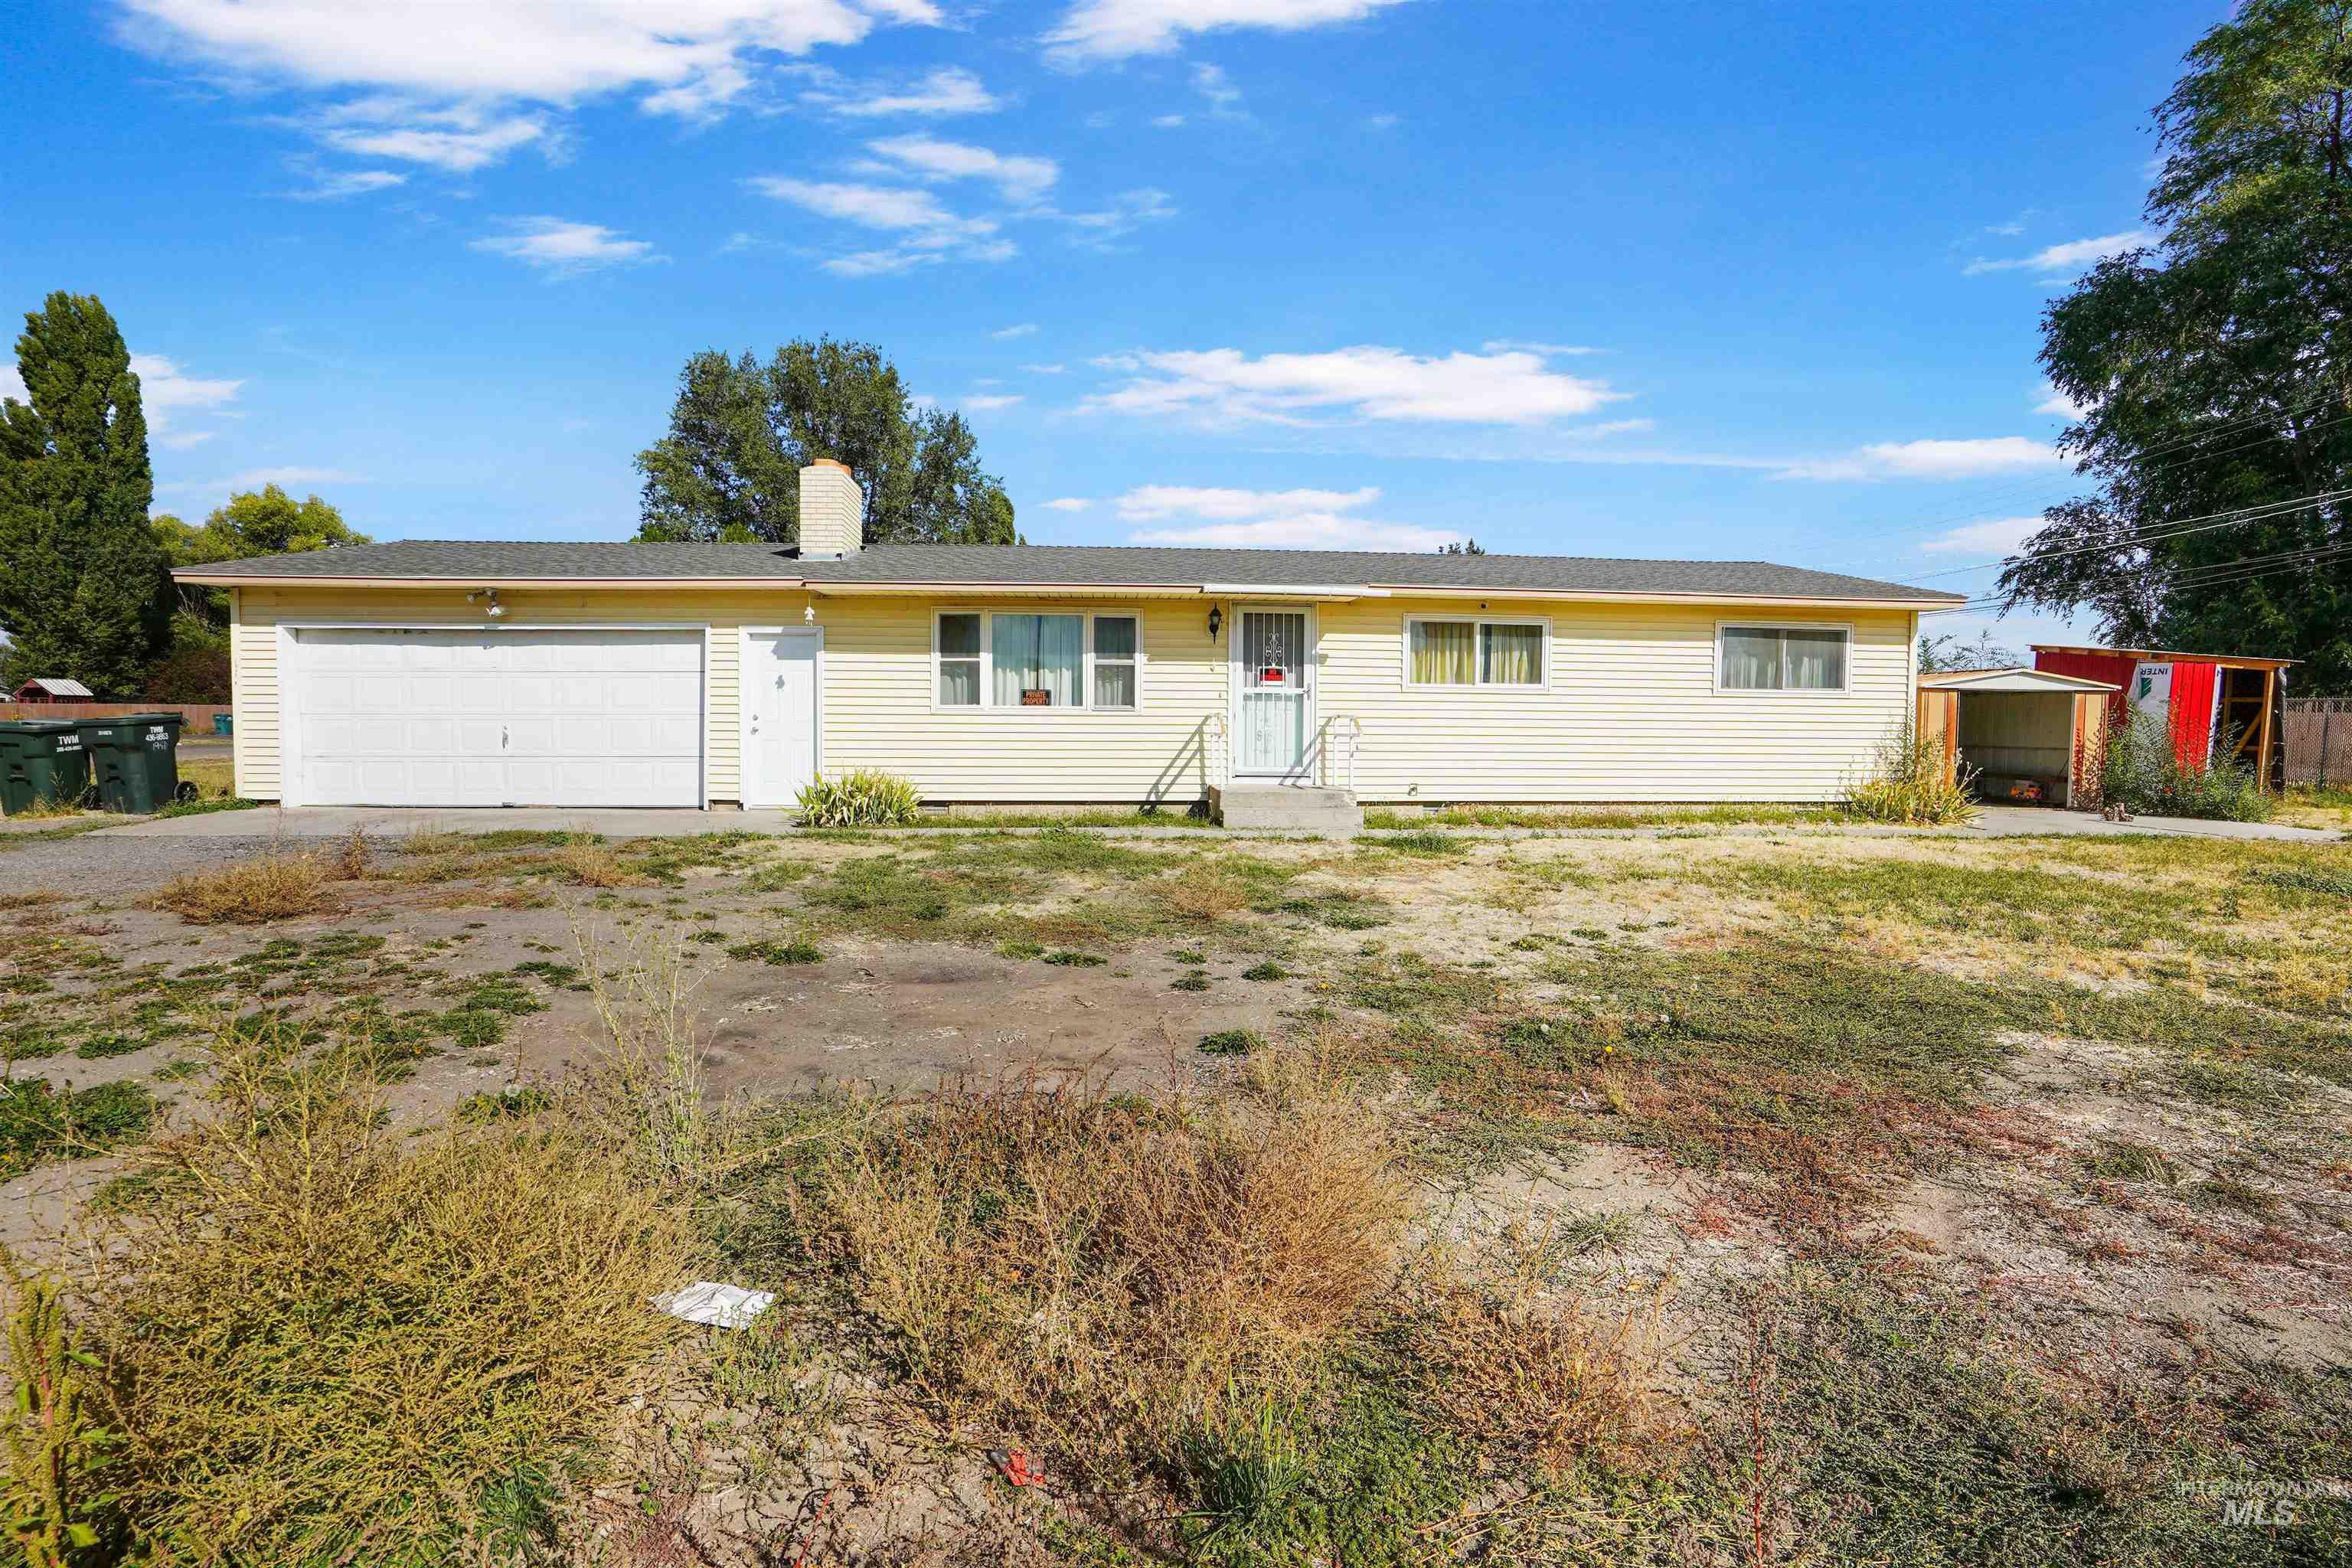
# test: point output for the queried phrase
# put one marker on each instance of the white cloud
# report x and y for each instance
(12, 385)
(2056, 402)
(1043, 369)
(993, 400)
(1021, 179)
(1068, 503)
(457, 141)
(1224, 98)
(931, 233)
(334, 185)
(1095, 30)
(689, 57)
(1217, 504)
(2067, 257)
(1515, 345)
(167, 396)
(1930, 460)
(1366, 382)
(1296, 519)
(255, 478)
(1998, 536)
(1019, 330)
(1167, 122)
(462, 86)
(1382, 122)
(565, 247)
(950, 90)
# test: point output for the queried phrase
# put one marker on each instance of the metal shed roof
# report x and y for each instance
(2016, 679)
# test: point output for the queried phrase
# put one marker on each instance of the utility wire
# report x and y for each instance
(2204, 524)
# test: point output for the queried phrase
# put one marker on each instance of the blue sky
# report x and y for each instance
(1623, 279)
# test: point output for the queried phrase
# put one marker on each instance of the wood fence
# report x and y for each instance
(2318, 735)
(195, 718)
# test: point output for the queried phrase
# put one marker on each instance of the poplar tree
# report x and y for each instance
(83, 590)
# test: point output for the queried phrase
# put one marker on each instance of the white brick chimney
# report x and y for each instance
(832, 511)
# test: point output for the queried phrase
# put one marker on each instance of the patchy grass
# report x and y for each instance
(1231, 1043)
(255, 892)
(1571, 818)
(39, 1122)
(766, 950)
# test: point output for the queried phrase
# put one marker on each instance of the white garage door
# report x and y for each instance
(392, 717)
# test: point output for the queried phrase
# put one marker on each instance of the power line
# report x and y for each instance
(2204, 524)
(2221, 572)
(2285, 411)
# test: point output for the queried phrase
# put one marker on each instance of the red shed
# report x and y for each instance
(2206, 698)
(53, 688)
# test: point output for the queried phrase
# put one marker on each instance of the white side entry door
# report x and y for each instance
(779, 713)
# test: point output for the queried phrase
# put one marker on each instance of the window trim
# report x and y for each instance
(1087, 617)
(1404, 654)
(1845, 628)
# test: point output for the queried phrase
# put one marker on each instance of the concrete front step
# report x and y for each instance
(1296, 808)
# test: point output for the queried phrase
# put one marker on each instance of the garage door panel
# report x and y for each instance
(385, 717)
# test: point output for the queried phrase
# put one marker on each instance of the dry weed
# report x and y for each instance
(1203, 893)
(355, 860)
(1542, 1380)
(1087, 1270)
(339, 1342)
(591, 865)
(273, 888)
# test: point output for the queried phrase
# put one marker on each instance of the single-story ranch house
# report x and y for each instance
(442, 674)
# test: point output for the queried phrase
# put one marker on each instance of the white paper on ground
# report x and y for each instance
(719, 1306)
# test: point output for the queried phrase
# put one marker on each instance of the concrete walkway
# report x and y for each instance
(315, 823)
(2016, 821)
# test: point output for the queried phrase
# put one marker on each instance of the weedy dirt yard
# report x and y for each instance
(1714, 1198)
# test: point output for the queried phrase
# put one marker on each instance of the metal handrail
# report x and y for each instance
(1335, 777)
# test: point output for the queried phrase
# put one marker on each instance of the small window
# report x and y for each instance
(1474, 653)
(960, 661)
(1783, 659)
(1115, 682)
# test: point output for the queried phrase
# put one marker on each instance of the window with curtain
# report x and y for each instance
(1474, 653)
(960, 661)
(1115, 682)
(1511, 655)
(1442, 653)
(1038, 653)
(1783, 658)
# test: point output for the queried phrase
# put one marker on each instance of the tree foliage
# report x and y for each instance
(2215, 368)
(1946, 651)
(267, 521)
(741, 431)
(82, 592)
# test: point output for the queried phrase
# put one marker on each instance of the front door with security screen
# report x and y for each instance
(1275, 667)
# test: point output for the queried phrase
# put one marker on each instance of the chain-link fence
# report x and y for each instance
(2320, 741)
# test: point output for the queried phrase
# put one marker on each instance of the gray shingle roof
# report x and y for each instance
(1076, 565)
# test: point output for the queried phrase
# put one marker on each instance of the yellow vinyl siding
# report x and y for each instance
(1630, 713)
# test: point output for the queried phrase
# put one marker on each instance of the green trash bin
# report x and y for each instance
(42, 762)
(133, 760)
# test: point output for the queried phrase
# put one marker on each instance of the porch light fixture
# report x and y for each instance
(1216, 619)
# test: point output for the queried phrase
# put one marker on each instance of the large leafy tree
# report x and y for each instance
(740, 432)
(267, 521)
(82, 589)
(2215, 368)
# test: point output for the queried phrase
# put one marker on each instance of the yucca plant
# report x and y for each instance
(863, 797)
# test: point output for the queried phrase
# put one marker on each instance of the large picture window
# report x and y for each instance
(1474, 653)
(1025, 659)
(1782, 658)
